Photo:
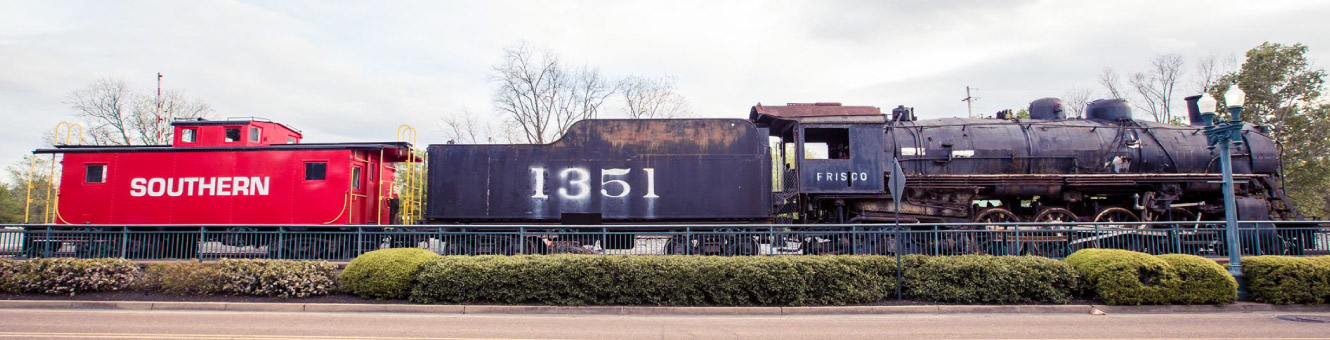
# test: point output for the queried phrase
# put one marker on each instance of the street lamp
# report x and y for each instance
(1226, 135)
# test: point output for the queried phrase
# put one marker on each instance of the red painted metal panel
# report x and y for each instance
(223, 187)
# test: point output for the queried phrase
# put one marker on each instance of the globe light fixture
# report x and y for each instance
(1207, 103)
(1235, 98)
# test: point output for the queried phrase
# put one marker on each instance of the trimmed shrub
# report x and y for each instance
(656, 280)
(988, 279)
(277, 278)
(67, 276)
(1288, 280)
(1200, 281)
(9, 270)
(203, 278)
(1122, 277)
(384, 274)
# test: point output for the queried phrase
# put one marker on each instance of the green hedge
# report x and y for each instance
(1288, 280)
(277, 278)
(67, 276)
(1202, 281)
(656, 280)
(274, 278)
(184, 278)
(384, 274)
(1122, 277)
(988, 279)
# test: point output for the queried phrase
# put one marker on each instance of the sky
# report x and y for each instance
(356, 70)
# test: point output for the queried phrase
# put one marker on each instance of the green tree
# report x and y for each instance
(1284, 92)
(14, 190)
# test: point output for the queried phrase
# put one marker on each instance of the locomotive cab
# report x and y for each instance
(827, 147)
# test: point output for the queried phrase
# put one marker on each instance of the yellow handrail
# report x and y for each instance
(52, 214)
(412, 182)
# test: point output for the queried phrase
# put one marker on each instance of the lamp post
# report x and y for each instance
(1226, 135)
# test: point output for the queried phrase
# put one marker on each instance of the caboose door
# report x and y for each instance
(361, 203)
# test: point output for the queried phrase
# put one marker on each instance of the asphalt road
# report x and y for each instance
(119, 324)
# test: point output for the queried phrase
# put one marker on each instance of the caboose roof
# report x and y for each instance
(229, 121)
(393, 151)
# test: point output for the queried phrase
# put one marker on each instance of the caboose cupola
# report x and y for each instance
(232, 132)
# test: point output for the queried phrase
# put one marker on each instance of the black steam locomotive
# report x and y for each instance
(828, 163)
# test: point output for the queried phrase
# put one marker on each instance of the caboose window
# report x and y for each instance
(188, 135)
(355, 178)
(254, 134)
(232, 135)
(96, 173)
(826, 143)
(316, 171)
(290, 140)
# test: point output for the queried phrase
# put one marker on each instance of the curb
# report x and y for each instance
(1241, 307)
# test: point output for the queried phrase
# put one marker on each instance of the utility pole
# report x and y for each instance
(969, 101)
(159, 107)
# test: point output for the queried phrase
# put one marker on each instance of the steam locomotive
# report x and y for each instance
(827, 163)
(797, 164)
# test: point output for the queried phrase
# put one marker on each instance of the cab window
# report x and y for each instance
(254, 134)
(827, 143)
(189, 135)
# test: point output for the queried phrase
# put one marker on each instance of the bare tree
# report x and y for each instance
(104, 108)
(541, 96)
(1156, 86)
(115, 114)
(1077, 98)
(1210, 68)
(466, 128)
(646, 97)
(1108, 78)
(152, 125)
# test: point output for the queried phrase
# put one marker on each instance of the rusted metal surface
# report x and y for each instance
(798, 110)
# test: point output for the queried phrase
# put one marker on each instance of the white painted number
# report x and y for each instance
(582, 183)
(539, 174)
(579, 183)
(651, 183)
(604, 184)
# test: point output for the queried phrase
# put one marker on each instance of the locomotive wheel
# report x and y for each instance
(1053, 215)
(1184, 215)
(996, 215)
(740, 245)
(1118, 214)
(679, 246)
(977, 243)
(535, 245)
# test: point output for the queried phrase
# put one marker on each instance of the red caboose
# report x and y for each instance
(229, 172)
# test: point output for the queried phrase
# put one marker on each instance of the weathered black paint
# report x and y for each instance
(957, 146)
(704, 169)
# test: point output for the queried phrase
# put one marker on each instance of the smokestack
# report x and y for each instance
(1193, 111)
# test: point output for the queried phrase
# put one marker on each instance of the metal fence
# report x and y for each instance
(306, 242)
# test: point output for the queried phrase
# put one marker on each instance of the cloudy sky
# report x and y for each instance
(355, 70)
